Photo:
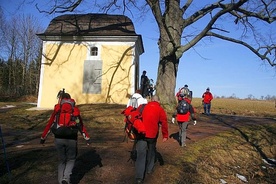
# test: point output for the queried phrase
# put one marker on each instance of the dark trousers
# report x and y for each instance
(182, 132)
(207, 108)
(146, 150)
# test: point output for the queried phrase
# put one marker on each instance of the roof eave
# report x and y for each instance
(123, 38)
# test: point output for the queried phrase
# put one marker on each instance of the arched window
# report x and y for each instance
(93, 51)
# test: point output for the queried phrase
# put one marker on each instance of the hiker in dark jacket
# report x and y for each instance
(66, 145)
(154, 117)
(144, 84)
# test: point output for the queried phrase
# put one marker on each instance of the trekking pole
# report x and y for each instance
(5, 155)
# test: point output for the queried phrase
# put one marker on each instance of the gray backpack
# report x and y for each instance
(185, 92)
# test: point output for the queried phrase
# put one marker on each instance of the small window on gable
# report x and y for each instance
(94, 51)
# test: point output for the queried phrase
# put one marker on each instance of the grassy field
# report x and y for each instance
(258, 108)
(244, 147)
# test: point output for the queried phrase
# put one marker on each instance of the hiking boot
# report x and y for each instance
(64, 182)
(138, 181)
(183, 145)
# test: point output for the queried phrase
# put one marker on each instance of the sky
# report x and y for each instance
(226, 68)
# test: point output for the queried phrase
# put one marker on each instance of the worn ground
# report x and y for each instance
(106, 160)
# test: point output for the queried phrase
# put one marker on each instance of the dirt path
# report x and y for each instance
(106, 160)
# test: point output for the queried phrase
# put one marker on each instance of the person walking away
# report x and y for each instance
(144, 84)
(183, 117)
(66, 135)
(151, 88)
(182, 93)
(207, 98)
(154, 117)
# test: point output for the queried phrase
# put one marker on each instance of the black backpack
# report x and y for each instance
(183, 107)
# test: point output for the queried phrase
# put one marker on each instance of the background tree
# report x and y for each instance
(21, 55)
(183, 24)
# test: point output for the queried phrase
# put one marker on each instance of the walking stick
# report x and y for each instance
(5, 155)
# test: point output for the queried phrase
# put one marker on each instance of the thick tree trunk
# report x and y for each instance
(167, 69)
(166, 82)
(171, 28)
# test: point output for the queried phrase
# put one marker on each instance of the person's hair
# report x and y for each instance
(155, 98)
(138, 91)
(66, 95)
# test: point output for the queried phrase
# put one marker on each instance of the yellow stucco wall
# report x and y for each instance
(63, 68)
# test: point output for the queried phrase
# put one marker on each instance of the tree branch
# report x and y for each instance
(201, 13)
(156, 10)
(186, 6)
(62, 7)
(268, 49)
(260, 16)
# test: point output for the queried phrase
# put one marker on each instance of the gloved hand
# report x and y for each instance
(194, 122)
(85, 137)
(88, 142)
(42, 141)
(173, 120)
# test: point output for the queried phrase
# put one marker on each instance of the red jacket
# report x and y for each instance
(153, 117)
(186, 117)
(53, 117)
(207, 97)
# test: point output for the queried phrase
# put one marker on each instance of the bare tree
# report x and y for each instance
(29, 46)
(183, 24)
(21, 48)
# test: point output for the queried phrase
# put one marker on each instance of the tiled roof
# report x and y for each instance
(90, 25)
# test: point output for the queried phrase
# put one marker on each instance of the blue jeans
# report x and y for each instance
(207, 108)
(67, 153)
(146, 150)
(182, 132)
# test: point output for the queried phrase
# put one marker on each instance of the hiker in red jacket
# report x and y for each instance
(66, 145)
(154, 117)
(181, 95)
(207, 98)
(183, 121)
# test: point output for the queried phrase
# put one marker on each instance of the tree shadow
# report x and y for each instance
(133, 156)
(22, 162)
(175, 136)
(159, 158)
(84, 163)
(247, 139)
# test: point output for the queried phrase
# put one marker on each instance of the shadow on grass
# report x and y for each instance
(175, 136)
(84, 164)
(246, 138)
(23, 162)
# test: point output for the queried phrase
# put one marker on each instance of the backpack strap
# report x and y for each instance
(70, 101)
(142, 108)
